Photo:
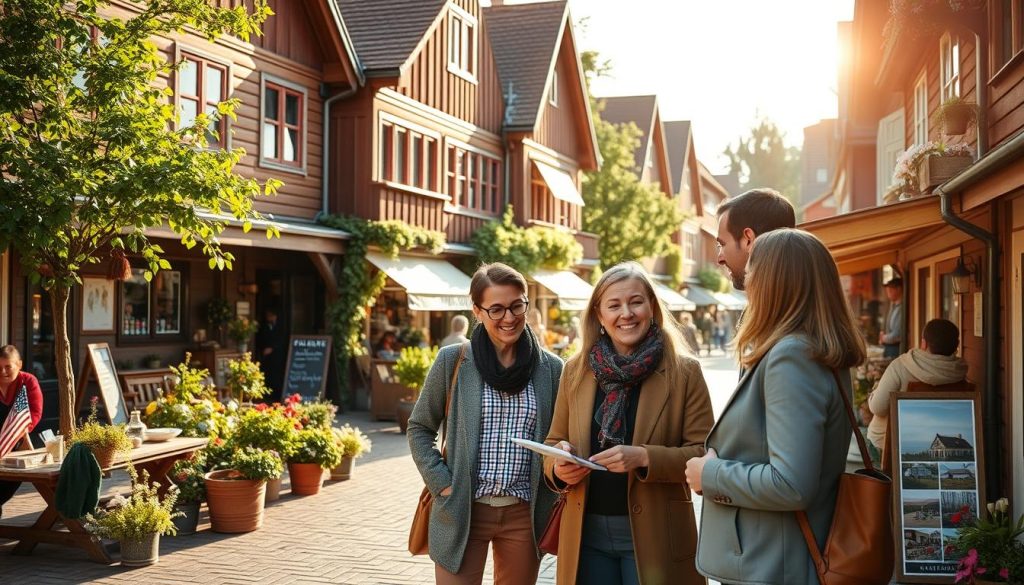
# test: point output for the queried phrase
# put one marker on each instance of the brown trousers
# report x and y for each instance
(510, 529)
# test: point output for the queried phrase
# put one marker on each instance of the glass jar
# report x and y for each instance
(136, 429)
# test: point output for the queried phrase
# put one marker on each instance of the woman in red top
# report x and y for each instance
(12, 379)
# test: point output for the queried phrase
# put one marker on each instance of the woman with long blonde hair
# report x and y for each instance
(634, 401)
(780, 444)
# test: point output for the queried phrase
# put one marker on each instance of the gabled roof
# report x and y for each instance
(387, 32)
(677, 140)
(953, 442)
(639, 109)
(524, 60)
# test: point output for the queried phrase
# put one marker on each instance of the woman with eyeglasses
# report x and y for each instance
(488, 491)
(633, 400)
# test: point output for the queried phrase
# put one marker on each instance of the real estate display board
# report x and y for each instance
(100, 363)
(937, 455)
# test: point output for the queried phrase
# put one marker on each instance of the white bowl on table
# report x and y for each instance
(161, 434)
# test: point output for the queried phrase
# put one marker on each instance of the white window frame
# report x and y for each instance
(890, 142)
(921, 108)
(270, 164)
(466, 65)
(949, 68)
(553, 94)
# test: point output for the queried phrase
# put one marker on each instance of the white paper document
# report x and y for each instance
(557, 453)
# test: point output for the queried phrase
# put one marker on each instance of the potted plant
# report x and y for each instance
(151, 361)
(268, 429)
(236, 496)
(105, 441)
(137, 521)
(353, 443)
(411, 370)
(310, 452)
(218, 314)
(955, 115)
(925, 166)
(245, 379)
(241, 330)
(187, 475)
(319, 414)
(991, 548)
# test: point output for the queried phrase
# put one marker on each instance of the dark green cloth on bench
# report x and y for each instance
(78, 489)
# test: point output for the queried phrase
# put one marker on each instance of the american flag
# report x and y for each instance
(18, 420)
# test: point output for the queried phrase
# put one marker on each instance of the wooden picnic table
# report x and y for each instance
(156, 458)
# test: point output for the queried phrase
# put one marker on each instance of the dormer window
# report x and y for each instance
(462, 44)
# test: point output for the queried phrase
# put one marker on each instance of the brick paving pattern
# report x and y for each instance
(353, 532)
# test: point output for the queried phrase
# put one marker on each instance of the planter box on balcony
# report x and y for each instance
(936, 170)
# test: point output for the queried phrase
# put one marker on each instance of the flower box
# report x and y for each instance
(936, 170)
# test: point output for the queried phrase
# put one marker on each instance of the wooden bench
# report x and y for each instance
(141, 387)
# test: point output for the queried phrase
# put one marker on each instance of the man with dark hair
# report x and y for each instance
(272, 352)
(743, 218)
(892, 334)
(934, 363)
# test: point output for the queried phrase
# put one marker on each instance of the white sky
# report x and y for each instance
(720, 62)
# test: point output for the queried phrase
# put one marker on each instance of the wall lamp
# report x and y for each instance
(966, 271)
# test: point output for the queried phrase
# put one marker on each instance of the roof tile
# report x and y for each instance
(386, 32)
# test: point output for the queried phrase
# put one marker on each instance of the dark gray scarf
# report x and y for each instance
(513, 379)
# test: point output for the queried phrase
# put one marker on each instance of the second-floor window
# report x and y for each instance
(553, 94)
(408, 157)
(462, 43)
(949, 67)
(921, 109)
(283, 125)
(474, 180)
(202, 84)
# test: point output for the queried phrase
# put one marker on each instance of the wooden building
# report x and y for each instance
(972, 225)
(282, 79)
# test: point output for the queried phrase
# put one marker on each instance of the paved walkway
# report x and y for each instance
(353, 532)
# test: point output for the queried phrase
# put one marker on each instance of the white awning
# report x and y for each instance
(700, 296)
(672, 300)
(560, 184)
(431, 284)
(572, 291)
(731, 301)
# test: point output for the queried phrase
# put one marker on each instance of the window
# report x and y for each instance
(474, 180)
(553, 94)
(921, 109)
(691, 243)
(283, 126)
(549, 209)
(202, 85)
(821, 175)
(461, 43)
(949, 68)
(152, 308)
(407, 157)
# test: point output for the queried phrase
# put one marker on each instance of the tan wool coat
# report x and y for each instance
(672, 422)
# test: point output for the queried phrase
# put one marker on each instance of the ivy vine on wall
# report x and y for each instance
(525, 249)
(357, 287)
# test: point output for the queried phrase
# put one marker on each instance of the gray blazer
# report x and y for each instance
(781, 442)
(450, 515)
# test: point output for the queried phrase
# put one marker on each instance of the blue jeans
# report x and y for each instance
(606, 552)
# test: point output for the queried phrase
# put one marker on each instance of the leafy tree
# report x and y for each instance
(763, 160)
(89, 153)
(633, 220)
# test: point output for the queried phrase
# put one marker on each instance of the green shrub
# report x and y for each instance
(95, 435)
(187, 475)
(314, 445)
(266, 429)
(257, 464)
(713, 280)
(413, 365)
(138, 516)
(319, 414)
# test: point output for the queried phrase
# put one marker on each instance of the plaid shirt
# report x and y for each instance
(503, 468)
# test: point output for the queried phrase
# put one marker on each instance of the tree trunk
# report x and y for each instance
(62, 356)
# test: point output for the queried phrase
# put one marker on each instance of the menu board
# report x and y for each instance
(309, 358)
(101, 363)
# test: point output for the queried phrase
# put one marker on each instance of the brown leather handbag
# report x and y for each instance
(549, 540)
(419, 532)
(860, 549)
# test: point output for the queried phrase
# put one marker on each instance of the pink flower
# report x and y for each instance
(1004, 573)
(980, 571)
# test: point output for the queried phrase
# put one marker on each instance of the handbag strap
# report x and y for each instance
(801, 516)
(448, 400)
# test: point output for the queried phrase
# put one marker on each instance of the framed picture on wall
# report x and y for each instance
(937, 462)
(97, 305)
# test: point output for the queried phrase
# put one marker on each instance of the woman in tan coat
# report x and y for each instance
(633, 401)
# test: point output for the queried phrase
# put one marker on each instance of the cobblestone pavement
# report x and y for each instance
(353, 532)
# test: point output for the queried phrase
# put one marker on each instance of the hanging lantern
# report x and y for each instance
(119, 268)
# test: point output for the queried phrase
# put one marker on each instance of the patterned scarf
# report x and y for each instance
(618, 376)
(510, 380)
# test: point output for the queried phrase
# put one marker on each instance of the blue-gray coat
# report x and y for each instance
(781, 442)
(450, 515)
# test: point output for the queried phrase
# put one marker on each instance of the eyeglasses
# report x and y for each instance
(497, 312)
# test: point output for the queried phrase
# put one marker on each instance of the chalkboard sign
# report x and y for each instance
(309, 357)
(100, 363)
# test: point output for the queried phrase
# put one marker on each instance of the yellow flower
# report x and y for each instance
(151, 408)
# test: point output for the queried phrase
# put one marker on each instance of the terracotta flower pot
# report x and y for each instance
(306, 478)
(104, 456)
(273, 489)
(236, 505)
(344, 469)
(140, 553)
